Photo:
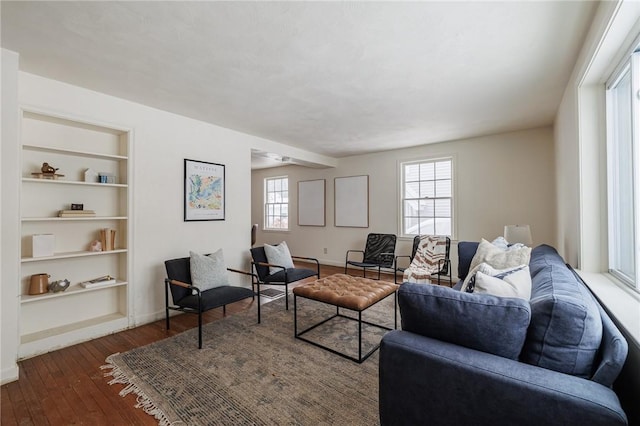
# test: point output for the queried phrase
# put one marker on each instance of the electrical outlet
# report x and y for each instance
(324, 250)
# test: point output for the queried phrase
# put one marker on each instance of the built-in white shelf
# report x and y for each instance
(73, 144)
(72, 254)
(71, 291)
(73, 182)
(65, 219)
(73, 152)
(44, 340)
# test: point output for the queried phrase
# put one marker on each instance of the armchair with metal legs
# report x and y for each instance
(378, 253)
(190, 299)
(430, 259)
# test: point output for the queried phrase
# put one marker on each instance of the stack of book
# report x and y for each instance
(76, 213)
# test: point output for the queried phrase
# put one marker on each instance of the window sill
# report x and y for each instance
(621, 302)
(280, 231)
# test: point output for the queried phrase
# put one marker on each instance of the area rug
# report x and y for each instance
(272, 293)
(259, 374)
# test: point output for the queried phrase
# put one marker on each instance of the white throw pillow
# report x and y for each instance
(209, 271)
(500, 242)
(498, 258)
(278, 255)
(515, 282)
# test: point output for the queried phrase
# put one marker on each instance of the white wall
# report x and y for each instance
(161, 141)
(499, 179)
(9, 219)
(580, 136)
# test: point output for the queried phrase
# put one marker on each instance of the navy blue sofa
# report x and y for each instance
(477, 359)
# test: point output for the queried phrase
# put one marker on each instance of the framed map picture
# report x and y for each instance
(203, 191)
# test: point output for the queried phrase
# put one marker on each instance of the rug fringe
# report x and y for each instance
(142, 400)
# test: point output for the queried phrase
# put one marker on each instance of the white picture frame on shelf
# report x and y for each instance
(90, 176)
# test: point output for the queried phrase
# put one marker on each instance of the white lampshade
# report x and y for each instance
(518, 234)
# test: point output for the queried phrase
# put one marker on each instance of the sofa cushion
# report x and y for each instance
(466, 251)
(487, 323)
(566, 328)
(543, 256)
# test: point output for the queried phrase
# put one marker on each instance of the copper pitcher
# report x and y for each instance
(39, 284)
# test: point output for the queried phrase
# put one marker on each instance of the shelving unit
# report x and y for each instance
(52, 320)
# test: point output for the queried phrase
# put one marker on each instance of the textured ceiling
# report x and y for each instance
(335, 78)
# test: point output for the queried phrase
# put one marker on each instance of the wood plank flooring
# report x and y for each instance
(67, 387)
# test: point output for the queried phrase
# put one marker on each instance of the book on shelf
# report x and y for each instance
(76, 213)
(97, 282)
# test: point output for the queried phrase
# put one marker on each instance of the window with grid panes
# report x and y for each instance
(427, 197)
(276, 206)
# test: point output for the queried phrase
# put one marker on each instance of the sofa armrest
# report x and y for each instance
(427, 381)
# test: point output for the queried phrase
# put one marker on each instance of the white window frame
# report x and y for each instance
(266, 204)
(631, 64)
(401, 199)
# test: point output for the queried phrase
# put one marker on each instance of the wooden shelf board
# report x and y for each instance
(71, 291)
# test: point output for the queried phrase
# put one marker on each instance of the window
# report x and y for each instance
(276, 204)
(427, 197)
(623, 180)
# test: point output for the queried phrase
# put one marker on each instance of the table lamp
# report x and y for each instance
(518, 234)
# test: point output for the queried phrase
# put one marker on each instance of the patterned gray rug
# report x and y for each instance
(259, 374)
(272, 293)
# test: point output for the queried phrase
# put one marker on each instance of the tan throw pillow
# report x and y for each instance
(499, 258)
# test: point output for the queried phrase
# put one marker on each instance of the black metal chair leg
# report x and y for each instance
(258, 301)
(200, 329)
(286, 296)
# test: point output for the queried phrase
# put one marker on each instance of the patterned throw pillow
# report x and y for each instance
(513, 282)
(209, 271)
(278, 255)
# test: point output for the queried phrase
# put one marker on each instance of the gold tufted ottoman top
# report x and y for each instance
(345, 291)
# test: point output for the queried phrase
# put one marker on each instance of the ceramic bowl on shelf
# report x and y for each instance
(60, 285)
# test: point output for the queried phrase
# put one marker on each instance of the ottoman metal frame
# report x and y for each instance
(361, 358)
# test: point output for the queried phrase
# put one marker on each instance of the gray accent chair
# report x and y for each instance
(284, 276)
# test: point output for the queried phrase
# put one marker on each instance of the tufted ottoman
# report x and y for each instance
(345, 291)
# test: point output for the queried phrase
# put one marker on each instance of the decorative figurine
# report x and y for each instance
(95, 246)
(47, 169)
(47, 172)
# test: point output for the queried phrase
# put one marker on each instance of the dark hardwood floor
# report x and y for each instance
(67, 386)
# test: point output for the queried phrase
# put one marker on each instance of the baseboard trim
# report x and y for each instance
(9, 375)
